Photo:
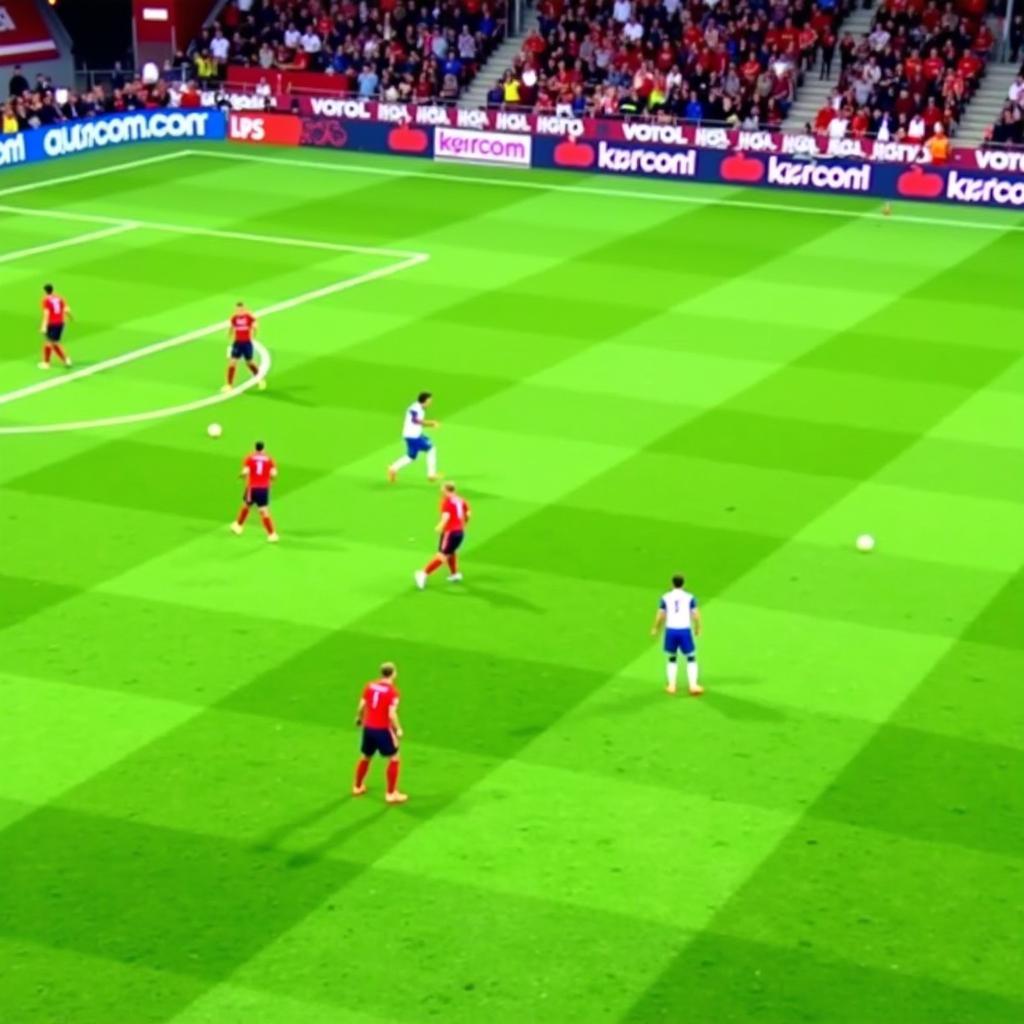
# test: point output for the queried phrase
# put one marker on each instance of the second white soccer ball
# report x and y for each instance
(865, 542)
(214, 430)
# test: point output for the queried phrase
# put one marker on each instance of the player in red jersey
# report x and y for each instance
(452, 527)
(258, 469)
(377, 716)
(56, 314)
(242, 332)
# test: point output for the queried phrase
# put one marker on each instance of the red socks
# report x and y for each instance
(253, 368)
(58, 352)
(243, 515)
(268, 524)
(453, 564)
(47, 350)
(392, 776)
(434, 564)
(362, 767)
(231, 374)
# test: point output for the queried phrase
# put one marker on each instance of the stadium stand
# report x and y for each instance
(44, 103)
(917, 68)
(727, 61)
(1009, 127)
(387, 49)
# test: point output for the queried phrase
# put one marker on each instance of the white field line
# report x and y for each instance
(621, 193)
(183, 339)
(98, 172)
(234, 236)
(66, 243)
(153, 414)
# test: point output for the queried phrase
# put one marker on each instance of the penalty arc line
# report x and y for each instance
(153, 414)
(175, 342)
(117, 229)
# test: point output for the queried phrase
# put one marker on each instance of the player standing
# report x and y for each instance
(677, 611)
(415, 440)
(258, 469)
(241, 332)
(377, 715)
(452, 527)
(56, 313)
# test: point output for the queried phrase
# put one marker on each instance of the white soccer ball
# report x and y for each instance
(865, 542)
(215, 430)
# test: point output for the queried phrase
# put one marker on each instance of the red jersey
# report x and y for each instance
(56, 310)
(260, 467)
(379, 697)
(242, 325)
(457, 510)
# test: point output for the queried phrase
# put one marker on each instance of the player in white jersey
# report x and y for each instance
(415, 440)
(677, 612)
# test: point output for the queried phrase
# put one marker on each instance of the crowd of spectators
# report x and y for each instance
(1009, 128)
(737, 62)
(388, 48)
(912, 73)
(39, 104)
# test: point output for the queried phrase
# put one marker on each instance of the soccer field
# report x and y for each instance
(633, 379)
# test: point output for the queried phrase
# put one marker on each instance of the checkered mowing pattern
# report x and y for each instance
(630, 384)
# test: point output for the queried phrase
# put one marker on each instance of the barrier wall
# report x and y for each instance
(926, 183)
(961, 184)
(111, 130)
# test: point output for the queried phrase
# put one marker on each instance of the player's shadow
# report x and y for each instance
(495, 598)
(741, 709)
(324, 540)
(317, 851)
(291, 396)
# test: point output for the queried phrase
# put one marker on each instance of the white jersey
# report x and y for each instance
(678, 606)
(413, 426)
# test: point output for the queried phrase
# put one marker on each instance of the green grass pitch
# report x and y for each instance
(633, 378)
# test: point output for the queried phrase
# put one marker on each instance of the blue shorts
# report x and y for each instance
(415, 445)
(242, 350)
(378, 741)
(54, 332)
(679, 640)
(258, 496)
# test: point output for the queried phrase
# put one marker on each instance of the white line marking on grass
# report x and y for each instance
(65, 243)
(182, 339)
(622, 193)
(153, 414)
(97, 172)
(236, 236)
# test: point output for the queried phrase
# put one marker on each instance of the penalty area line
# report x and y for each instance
(66, 243)
(189, 229)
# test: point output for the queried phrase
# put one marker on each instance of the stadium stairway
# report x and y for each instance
(814, 93)
(986, 104)
(498, 63)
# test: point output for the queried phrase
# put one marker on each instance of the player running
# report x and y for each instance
(258, 469)
(241, 332)
(452, 527)
(377, 716)
(677, 611)
(56, 313)
(415, 440)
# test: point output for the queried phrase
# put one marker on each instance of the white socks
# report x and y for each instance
(691, 673)
(432, 462)
(400, 463)
(672, 670)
